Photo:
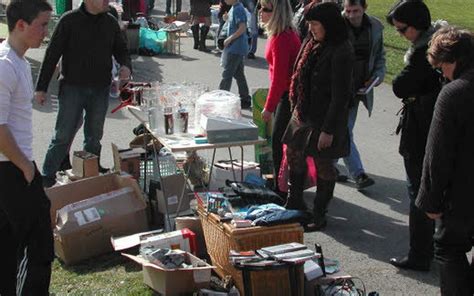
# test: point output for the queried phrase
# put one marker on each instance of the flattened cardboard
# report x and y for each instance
(127, 160)
(175, 281)
(168, 200)
(61, 196)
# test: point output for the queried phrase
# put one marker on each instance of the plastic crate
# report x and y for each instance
(149, 168)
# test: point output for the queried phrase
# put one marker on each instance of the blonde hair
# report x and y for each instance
(281, 18)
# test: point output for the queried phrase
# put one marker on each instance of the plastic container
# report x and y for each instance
(217, 103)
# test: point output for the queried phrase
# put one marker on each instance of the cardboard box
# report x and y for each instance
(168, 199)
(127, 160)
(222, 171)
(175, 281)
(85, 164)
(194, 224)
(109, 205)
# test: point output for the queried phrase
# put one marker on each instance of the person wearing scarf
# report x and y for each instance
(320, 91)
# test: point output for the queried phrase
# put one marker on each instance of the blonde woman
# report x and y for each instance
(281, 51)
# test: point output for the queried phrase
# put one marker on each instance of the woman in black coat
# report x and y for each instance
(446, 186)
(418, 85)
(320, 91)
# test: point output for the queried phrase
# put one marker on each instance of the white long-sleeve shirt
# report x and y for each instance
(16, 95)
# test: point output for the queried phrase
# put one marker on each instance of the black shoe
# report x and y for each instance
(251, 56)
(315, 226)
(245, 104)
(48, 181)
(103, 170)
(340, 177)
(363, 181)
(406, 263)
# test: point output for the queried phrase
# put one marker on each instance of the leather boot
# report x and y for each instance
(324, 194)
(295, 191)
(195, 30)
(202, 43)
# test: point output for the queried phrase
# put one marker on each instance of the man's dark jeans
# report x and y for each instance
(73, 101)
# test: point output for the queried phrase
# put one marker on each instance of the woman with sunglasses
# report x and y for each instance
(418, 85)
(446, 188)
(281, 50)
(320, 91)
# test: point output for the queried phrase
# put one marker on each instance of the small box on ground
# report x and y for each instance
(222, 171)
(85, 164)
(175, 281)
(86, 213)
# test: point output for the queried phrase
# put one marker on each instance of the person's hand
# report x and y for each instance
(124, 73)
(266, 115)
(227, 41)
(40, 97)
(29, 172)
(225, 16)
(368, 82)
(324, 141)
(434, 216)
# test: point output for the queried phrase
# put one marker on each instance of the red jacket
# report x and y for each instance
(280, 53)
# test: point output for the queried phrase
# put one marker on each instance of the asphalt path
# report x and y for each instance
(365, 228)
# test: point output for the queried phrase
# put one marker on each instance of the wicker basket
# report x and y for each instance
(221, 238)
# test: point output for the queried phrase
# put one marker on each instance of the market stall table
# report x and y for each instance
(186, 143)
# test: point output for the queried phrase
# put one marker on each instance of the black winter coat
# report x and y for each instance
(446, 185)
(418, 84)
(328, 90)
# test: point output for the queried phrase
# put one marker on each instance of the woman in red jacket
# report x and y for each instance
(281, 50)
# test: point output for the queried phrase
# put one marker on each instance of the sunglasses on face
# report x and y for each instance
(402, 30)
(263, 8)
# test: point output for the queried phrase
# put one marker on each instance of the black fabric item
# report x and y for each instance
(453, 239)
(418, 85)
(251, 192)
(85, 43)
(280, 121)
(421, 228)
(281, 217)
(195, 30)
(296, 181)
(202, 41)
(324, 194)
(25, 222)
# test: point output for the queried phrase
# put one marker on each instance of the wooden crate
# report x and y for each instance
(222, 237)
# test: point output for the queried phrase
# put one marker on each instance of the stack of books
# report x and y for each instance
(294, 253)
(290, 253)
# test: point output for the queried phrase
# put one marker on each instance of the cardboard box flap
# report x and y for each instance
(190, 259)
(130, 241)
(107, 206)
(61, 196)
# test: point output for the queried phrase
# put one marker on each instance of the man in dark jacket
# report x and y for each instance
(85, 39)
(418, 85)
(446, 186)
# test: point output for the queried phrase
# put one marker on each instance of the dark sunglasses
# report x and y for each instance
(263, 9)
(402, 30)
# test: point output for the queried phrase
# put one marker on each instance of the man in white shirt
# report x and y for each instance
(26, 250)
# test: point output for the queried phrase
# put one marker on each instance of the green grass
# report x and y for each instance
(456, 12)
(110, 274)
